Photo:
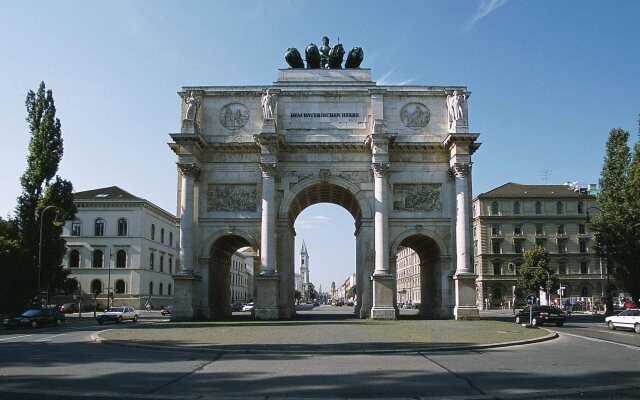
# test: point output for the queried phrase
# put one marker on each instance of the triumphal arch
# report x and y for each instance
(397, 158)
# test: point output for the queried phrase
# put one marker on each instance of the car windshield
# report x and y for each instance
(30, 313)
(116, 309)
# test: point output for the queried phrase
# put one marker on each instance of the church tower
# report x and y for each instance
(304, 271)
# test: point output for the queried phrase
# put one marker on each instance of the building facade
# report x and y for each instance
(511, 219)
(408, 277)
(241, 277)
(121, 244)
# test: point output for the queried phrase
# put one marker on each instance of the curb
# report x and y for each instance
(95, 337)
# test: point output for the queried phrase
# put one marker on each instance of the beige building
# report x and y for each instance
(408, 276)
(241, 277)
(511, 219)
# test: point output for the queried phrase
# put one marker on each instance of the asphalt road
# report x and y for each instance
(586, 361)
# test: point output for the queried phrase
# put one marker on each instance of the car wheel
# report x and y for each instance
(135, 318)
(518, 320)
(119, 320)
(610, 326)
(34, 324)
(58, 322)
(536, 322)
(636, 328)
(559, 323)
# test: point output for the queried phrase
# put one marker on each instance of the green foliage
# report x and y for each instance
(533, 275)
(14, 268)
(351, 292)
(617, 228)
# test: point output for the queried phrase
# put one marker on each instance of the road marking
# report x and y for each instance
(14, 337)
(47, 339)
(628, 346)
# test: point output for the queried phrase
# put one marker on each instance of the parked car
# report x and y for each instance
(316, 304)
(248, 307)
(541, 315)
(627, 319)
(69, 308)
(166, 310)
(34, 318)
(118, 314)
(236, 307)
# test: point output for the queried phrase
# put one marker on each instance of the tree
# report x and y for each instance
(534, 270)
(351, 292)
(12, 261)
(617, 228)
(39, 190)
(298, 296)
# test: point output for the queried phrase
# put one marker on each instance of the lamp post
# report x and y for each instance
(608, 301)
(56, 223)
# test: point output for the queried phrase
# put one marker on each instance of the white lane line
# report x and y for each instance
(47, 339)
(14, 337)
(628, 346)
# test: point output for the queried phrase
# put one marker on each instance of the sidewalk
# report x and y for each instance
(314, 335)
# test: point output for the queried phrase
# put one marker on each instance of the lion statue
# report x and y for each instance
(354, 58)
(293, 58)
(336, 56)
(312, 54)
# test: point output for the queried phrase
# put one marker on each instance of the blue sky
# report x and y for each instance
(549, 80)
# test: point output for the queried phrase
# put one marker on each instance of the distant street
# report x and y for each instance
(63, 362)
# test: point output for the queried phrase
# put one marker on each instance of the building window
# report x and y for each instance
(160, 289)
(161, 263)
(150, 287)
(120, 286)
(519, 246)
(161, 235)
(584, 267)
(96, 286)
(76, 228)
(539, 229)
(497, 268)
(121, 259)
(496, 245)
(517, 229)
(97, 259)
(562, 246)
(562, 268)
(122, 227)
(497, 294)
(153, 232)
(99, 227)
(560, 230)
(170, 265)
(580, 207)
(74, 259)
(538, 208)
(540, 242)
(583, 246)
(170, 238)
(495, 229)
(582, 230)
(169, 289)
(152, 257)
(494, 208)
(559, 208)
(516, 207)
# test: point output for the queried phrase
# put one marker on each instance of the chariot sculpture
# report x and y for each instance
(324, 56)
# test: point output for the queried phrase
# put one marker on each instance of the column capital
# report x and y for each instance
(380, 170)
(191, 170)
(269, 170)
(461, 170)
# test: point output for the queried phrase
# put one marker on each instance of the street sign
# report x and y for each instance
(531, 299)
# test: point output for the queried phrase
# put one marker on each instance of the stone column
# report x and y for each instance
(463, 258)
(268, 236)
(381, 218)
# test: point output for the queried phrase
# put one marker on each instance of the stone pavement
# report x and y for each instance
(322, 333)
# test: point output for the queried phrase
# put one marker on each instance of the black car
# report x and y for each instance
(540, 315)
(166, 310)
(34, 318)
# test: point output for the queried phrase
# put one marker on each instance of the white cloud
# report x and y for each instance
(384, 79)
(485, 8)
(312, 222)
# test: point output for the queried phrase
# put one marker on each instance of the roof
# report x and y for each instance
(510, 190)
(108, 193)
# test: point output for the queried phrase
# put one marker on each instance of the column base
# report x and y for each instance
(466, 307)
(267, 297)
(185, 292)
(383, 307)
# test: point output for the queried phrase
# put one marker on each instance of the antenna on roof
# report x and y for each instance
(546, 176)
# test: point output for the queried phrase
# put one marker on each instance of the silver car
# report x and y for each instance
(118, 314)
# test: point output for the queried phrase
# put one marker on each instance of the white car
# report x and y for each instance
(628, 319)
(247, 307)
(118, 314)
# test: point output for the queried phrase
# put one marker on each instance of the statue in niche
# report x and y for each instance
(336, 55)
(293, 58)
(354, 58)
(324, 53)
(312, 54)
(192, 107)
(454, 105)
(268, 105)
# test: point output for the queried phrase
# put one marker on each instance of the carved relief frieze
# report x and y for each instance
(415, 115)
(234, 116)
(423, 197)
(356, 177)
(222, 197)
(301, 175)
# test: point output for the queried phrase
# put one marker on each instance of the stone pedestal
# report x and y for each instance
(459, 126)
(269, 126)
(186, 289)
(189, 127)
(266, 305)
(466, 307)
(383, 307)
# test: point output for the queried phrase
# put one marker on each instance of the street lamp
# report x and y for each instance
(56, 223)
(608, 301)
